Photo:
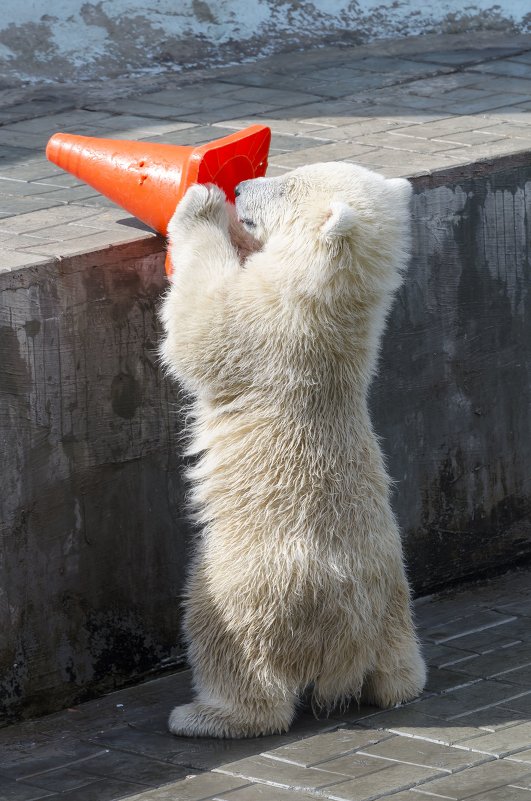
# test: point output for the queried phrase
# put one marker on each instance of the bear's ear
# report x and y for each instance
(340, 220)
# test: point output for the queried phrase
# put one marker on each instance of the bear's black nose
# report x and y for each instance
(237, 190)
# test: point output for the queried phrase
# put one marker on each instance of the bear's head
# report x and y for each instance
(332, 214)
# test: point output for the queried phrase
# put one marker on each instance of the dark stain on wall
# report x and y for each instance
(452, 398)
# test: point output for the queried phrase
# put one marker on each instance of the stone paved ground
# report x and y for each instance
(467, 737)
(405, 107)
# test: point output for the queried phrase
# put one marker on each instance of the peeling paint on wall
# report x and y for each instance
(73, 39)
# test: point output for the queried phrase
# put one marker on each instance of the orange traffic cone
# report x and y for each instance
(148, 180)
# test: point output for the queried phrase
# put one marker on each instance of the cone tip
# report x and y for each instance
(55, 145)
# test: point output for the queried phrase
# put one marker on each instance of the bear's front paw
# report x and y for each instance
(206, 203)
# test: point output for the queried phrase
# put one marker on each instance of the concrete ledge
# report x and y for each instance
(91, 513)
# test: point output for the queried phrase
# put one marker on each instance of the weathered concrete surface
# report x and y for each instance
(63, 40)
(92, 540)
(453, 396)
(93, 537)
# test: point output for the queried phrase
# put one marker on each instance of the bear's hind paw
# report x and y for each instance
(205, 720)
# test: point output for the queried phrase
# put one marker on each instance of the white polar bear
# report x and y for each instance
(298, 581)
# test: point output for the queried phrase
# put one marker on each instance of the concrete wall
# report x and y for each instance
(74, 39)
(93, 538)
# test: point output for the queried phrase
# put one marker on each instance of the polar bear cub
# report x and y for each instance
(272, 325)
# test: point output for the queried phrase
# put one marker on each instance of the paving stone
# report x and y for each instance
(443, 680)
(494, 718)
(521, 58)
(30, 141)
(30, 759)
(395, 140)
(280, 126)
(423, 753)
(133, 767)
(85, 243)
(489, 151)
(285, 144)
(194, 135)
(74, 120)
(483, 103)
(338, 151)
(484, 642)
(281, 774)
(15, 206)
(103, 790)
(409, 721)
(514, 69)
(520, 705)
(499, 83)
(484, 619)
(461, 57)
(277, 96)
(476, 780)
(519, 629)
(471, 138)
(138, 124)
(81, 193)
(205, 88)
(432, 130)
(387, 781)
(38, 220)
(501, 662)
(521, 756)
(350, 131)
(163, 747)
(29, 169)
(16, 791)
(61, 780)
(513, 131)
(409, 795)
(480, 695)
(230, 112)
(518, 113)
(506, 793)
(353, 765)
(523, 606)
(10, 187)
(193, 788)
(11, 260)
(428, 87)
(444, 656)
(314, 750)
(58, 181)
(262, 792)
(501, 743)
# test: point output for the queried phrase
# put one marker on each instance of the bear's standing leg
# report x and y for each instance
(209, 716)
(400, 673)
(238, 694)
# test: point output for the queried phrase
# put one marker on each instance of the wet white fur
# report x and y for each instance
(298, 579)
